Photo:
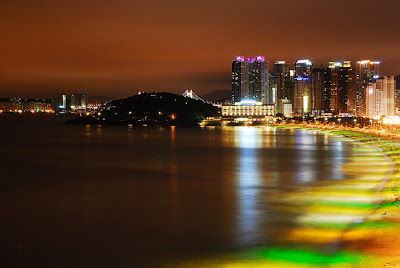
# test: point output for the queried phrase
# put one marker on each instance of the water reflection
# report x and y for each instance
(248, 180)
(305, 167)
(176, 191)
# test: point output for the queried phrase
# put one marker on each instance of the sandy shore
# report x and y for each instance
(349, 223)
(344, 223)
(380, 240)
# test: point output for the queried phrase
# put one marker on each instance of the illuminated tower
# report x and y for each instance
(302, 89)
(367, 71)
(397, 94)
(259, 79)
(303, 68)
(78, 102)
(284, 81)
(240, 73)
(318, 79)
(61, 104)
(380, 99)
(250, 79)
(343, 87)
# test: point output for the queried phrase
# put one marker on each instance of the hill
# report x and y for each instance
(154, 109)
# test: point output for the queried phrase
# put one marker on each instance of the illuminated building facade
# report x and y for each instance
(250, 79)
(303, 68)
(343, 81)
(272, 90)
(284, 81)
(240, 75)
(78, 102)
(18, 105)
(248, 109)
(380, 99)
(302, 101)
(284, 107)
(302, 89)
(366, 71)
(70, 103)
(397, 95)
(62, 104)
(318, 78)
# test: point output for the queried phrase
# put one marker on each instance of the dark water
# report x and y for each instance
(91, 196)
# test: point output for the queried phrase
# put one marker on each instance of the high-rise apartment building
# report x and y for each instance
(318, 78)
(62, 103)
(303, 68)
(367, 71)
(302, 88)
(284, 76)
(70, 103)
(285, 80)
(272, 89)
(78, 102)
(240, 75)
(343, 81)
(397, 79)
(380, 99)
(250, 79)
(397, 94)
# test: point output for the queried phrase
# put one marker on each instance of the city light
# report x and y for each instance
(307, 62)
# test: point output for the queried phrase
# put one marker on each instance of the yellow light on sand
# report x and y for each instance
(329, 218)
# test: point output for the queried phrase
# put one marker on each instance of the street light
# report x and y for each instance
(339, 120)
(355, 122)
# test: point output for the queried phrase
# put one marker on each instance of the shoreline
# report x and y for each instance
(380, 243)
(345, 223)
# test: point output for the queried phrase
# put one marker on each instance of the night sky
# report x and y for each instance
(115, 48)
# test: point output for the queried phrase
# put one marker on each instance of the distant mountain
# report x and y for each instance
(218, 96)
(98, 99)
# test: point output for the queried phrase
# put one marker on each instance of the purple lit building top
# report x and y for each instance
(260, 58)
(240, 58)
(251, 60)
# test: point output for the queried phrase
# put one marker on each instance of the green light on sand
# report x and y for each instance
(307, 256)
(373, 224)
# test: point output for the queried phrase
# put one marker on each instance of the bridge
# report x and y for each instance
(192, 95)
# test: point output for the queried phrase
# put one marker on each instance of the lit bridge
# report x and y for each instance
(192, 95)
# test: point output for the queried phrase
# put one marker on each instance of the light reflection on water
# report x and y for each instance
(259, 174)
(145, 194)
(249, 181)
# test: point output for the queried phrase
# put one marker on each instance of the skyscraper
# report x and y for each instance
(318, 78)
(250, 79)
(302, 89)
(397, 95)
(62, 104)
(367, 71)
(261, 81)
(343, 87)
(78, 102)
(272, 89)
(380, 97)
(303, 68)
(240, 73)
(285, 79)
(397, 79)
